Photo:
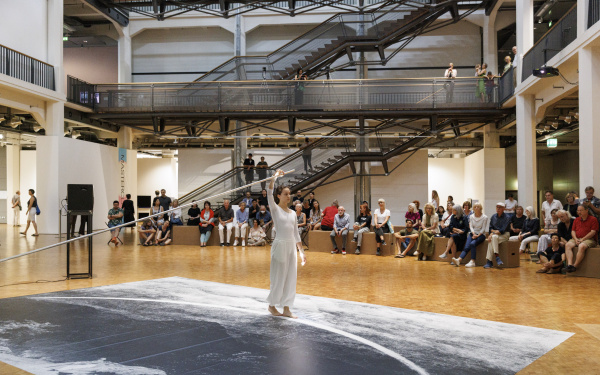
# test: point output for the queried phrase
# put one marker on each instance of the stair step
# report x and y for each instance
(338, 157)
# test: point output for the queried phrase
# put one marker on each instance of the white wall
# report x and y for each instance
(24, 27)
(27, 181)
(447, 176)
(157, 174)
(485, 177)
(94, 65)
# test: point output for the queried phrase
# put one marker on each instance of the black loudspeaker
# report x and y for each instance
(80, 197)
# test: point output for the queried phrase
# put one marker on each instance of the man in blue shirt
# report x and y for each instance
(497, 233)
(248, 199)
(241, 216)
(341, 225)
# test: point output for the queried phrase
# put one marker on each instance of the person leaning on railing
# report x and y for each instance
(261, 169)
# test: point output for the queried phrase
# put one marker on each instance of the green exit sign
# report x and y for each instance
(551, 142)
(65, 38)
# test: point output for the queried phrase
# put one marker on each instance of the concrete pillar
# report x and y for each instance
(362, 182)
(526, 151)
(490, 43)
(125, 55)
(582, 20)
(13, 177)
(485, 168)
(524, 32)
(491, 137)
(589, 119)
(55, 42)
(125, 138)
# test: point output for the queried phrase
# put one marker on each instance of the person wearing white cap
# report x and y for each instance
(497, 233)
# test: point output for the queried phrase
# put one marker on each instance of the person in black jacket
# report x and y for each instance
(362, 225)
(194, 215)
(552, 258)
(531, 228)
(565, 226)
(128, 211)
(459, 229)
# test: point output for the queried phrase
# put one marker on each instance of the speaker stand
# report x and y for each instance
(81, 275)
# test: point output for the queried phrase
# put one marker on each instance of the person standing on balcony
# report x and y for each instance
(261, 169)
(249, 170)
(508, 65)
(450, 74)
(307, 155)
(480, 71)
(299, 90)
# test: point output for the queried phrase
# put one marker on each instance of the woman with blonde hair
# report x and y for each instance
(478, 229)
(435, 199)
(530, 230)
(459, 228)
(429, 228)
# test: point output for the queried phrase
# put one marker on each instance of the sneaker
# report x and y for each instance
(416, 253)
(471, 263)
(571, 269)
(488, 264)
(335, 251)
(222, 244)
(455, 261)
(353, 239)
(378, 253)
(499, 261)
(243, 242)
(357, 252)
(343, 251)
(444, 256)
(384, 243)
(227, 244)
(235, 243)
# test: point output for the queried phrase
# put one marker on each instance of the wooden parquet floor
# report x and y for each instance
(517, 296)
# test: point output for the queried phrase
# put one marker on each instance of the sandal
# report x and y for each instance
(399, 256)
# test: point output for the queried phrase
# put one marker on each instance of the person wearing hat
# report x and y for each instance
(497, 233)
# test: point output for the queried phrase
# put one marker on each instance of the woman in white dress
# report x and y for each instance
(283, 251)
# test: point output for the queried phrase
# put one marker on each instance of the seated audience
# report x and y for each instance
(549, 228)
(362, 225)
(459, 228)
(254, 209)
(163, 233)
(450, 203)
(549, 204)
(478, 228)
(565, 226)
(497, 234)
(429, 228)
(248, 199)
(406, 239)
(418, 222)
(591, 202)
(530, 230)
(517, 221)
(257, 236)
(441, 211)
(300, 219)
(299, 197)
(552, 258)
(315, 216)
(584, 235)
(328, 216)
(241, 217)
(311, 198)
(176, 214)
(413, 215)
(263, 200)
(571, 204)
(207, 217)
(306, 208)
(115, 218)
(225, 216)
(467, 209)
(194, 215)
(511, 204)
(264, 218)
(445, 225)
(146, 232)
(155, 210)
(341, 225)
(381, 216)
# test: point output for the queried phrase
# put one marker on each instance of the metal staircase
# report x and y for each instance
(340, 36)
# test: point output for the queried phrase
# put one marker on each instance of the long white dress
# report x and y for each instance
(284, 261)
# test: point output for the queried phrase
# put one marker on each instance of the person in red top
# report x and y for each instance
(585, 235)
(329, 215)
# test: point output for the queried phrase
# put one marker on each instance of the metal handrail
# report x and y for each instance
(593, 12)
(24, 67)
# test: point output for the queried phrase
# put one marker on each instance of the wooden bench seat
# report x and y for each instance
(190, 235)
(590, 266)
(318, 241)
(508, 251)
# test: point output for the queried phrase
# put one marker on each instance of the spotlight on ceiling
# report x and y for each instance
(37, 128)
(554, 124)
(14, 122)
(568, 119)
(545, 72)
(574, 114)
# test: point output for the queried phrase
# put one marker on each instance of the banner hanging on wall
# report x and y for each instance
(122, 169)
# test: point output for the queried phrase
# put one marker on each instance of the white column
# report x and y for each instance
(589, 119)
(125, 138)
(55, 42)
(125, 59)
(582, 12)
(490, 43)
(524, 32)
(13, 176)
(491, 137)
(526, 151)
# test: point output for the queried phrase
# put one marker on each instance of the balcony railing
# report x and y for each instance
(554, 41)
(80, 92)
(593, 12)
(25, 68)
(506, 85)
(317, 95)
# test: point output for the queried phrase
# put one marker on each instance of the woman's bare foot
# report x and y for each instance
(288, 313)
(274, 311)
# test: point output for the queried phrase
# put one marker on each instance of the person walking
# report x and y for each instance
(283, 272)
(32, 210)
